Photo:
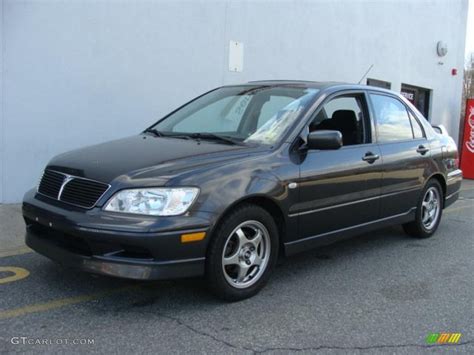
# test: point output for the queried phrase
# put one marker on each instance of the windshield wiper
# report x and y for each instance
(154, 131)
(198, 135)
(215, 137)
(157, 133)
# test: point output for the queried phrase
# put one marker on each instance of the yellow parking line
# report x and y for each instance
(18, 274)
(15, 251)
(55, 304)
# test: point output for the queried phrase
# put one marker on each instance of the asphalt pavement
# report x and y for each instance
(382, 292)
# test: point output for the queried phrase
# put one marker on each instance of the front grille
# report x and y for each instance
(71, 189)
(51, 183)
(82, 192)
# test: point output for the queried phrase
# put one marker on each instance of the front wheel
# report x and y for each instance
(242, 253)
(428, 212)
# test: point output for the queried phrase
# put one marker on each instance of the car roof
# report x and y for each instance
(320, 85)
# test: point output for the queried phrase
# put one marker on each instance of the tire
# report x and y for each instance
(428, 212)
(242, 253)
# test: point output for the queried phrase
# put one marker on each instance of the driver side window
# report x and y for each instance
(346, 114)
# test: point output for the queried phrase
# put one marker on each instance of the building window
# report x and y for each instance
(379, 83)
(419, 97)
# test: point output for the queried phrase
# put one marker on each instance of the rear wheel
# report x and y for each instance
(428, 213)
(242, 253)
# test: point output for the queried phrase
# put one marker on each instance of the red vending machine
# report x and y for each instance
(467, 147)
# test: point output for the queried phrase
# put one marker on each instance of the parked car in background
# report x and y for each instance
(239, 176)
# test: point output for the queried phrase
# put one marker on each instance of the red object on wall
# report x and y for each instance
(467, 148)
(454, 72)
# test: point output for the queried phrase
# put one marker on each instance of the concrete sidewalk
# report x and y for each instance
(12, 228)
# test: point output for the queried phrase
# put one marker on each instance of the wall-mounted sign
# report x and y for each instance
(379, 83)
(236, 56)
(410, 96)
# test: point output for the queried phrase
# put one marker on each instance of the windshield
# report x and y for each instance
(258, 114)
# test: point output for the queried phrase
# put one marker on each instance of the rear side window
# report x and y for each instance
(417, 130)
(393, 122)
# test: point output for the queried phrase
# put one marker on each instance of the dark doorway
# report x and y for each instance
(419, 97)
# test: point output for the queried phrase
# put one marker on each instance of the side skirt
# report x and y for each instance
(301, 245)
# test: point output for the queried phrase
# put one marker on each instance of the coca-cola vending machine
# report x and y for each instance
(467, 147)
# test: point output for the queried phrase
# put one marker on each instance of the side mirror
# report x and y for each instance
(324, 140)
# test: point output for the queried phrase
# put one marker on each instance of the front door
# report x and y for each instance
(340, 189)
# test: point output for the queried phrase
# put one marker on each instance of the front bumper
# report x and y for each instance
(128, 246)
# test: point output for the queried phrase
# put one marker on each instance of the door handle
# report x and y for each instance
(370, 157)
(422, 149)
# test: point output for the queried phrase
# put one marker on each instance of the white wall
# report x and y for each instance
(81, 72)
(2, 129)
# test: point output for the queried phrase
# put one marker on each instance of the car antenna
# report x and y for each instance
(367, 72)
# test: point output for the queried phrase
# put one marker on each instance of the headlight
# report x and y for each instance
(153, 201)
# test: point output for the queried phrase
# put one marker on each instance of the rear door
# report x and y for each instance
(405, 153)
(339, 189)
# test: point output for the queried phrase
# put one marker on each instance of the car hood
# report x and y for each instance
(145, 157)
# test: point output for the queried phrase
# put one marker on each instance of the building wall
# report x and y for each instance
(82, 72)
(2, 129)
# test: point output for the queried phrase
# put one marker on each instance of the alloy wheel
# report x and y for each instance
(430, 208)
(246, 254)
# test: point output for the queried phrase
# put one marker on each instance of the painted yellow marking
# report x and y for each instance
(192, 237)
(15, 251)
(55, 304)
(18, 274)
